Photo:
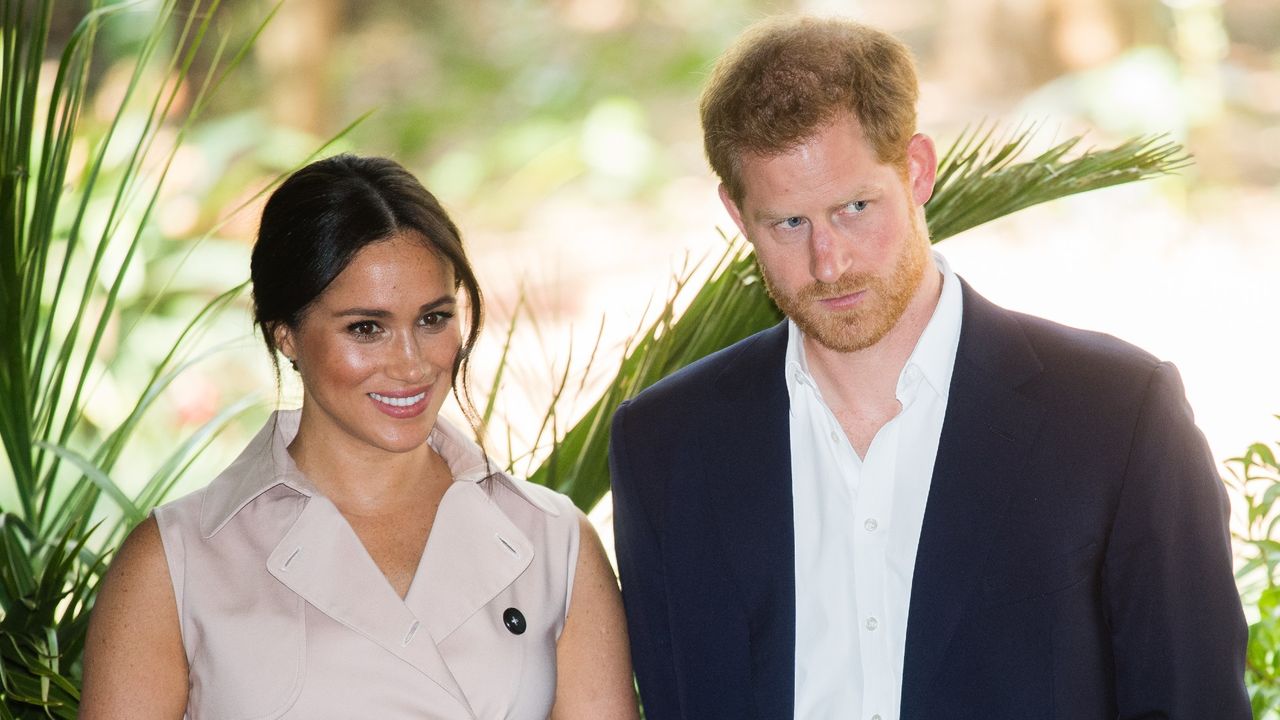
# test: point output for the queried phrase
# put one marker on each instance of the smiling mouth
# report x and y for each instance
(399, 401)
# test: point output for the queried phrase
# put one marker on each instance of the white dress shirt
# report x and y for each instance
(857, 525)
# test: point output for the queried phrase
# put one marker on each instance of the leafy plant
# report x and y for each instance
(1255, 478)
(75, 206)
(70, 232)
(980, 178)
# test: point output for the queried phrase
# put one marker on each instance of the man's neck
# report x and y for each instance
(863, 383)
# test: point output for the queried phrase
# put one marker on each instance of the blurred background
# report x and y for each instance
(563, 137)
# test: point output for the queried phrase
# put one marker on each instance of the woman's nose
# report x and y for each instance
(408, 363)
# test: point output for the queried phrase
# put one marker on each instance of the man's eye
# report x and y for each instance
(857, 206)
(791, 223)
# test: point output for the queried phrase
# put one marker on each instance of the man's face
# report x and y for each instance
(837, 233)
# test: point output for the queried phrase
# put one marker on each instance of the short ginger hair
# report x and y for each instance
(784, 79)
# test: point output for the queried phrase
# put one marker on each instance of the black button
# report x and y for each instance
(514, 620)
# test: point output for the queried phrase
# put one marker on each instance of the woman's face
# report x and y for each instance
(376, 349)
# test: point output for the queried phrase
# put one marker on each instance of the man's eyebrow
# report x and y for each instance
(861, 192)
(767, 216)
(382, 313)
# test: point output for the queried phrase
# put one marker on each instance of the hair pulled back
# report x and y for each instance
(321, 216)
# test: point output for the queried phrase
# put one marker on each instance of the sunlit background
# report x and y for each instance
(563, 137)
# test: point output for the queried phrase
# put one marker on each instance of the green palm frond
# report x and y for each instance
(68, 238)
(980, 178)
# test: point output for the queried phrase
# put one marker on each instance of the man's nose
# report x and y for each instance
(830, 252)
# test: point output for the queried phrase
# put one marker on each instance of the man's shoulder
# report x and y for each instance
(1061, 346)
(745, 361)
(1056, 346)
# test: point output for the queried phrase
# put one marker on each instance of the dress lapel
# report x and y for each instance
(473, 554)
(323, 561)
(988, 431)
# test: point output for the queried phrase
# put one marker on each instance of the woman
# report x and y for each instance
(361, 558)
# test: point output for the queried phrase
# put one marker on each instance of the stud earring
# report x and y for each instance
(293, 364)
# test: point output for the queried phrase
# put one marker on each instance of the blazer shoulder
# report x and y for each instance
(1061, 346)
(992, 335)
(729, 367)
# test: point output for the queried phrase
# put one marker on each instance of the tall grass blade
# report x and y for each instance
(67, 243)
(99, 478)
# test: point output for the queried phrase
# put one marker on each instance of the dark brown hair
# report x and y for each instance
(321, 216)
(784, 79)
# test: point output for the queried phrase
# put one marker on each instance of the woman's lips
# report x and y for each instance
(401, 403)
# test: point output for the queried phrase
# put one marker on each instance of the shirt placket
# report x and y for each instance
(870, 526)
(872, 548)
(829, 493)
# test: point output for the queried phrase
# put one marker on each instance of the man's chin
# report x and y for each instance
(844, 335)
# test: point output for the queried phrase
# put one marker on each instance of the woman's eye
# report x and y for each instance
(857, 206)
(436, 320)
(363, 329)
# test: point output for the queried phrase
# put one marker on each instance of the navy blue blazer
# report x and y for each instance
(1074, 564)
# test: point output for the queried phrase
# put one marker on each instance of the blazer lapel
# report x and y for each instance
(988, 431)
(749, 447)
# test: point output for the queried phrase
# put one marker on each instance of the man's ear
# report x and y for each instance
(734, 212)
(922, 167)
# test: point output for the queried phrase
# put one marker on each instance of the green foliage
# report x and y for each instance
(1255, 478)
(75, 208)
(75, 211)
(980, 178)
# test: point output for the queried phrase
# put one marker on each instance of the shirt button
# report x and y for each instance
(875, 717)
(872, 623)
(871, 524)
(834, 437)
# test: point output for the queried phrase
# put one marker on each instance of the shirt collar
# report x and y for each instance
(934, 355)
(266, 463)
(935, 352)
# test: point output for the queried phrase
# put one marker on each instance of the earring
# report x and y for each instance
(293, 364)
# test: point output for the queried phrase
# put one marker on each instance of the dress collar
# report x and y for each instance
(266, 463)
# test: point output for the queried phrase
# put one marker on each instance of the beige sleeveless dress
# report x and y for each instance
(285, 615)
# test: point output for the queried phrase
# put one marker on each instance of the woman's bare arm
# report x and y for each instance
(593, 657)
(134, 663)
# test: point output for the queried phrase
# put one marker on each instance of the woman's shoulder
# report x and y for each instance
(184, 510)
(549, 501)
(534, 508)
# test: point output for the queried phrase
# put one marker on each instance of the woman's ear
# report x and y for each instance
(282, 336)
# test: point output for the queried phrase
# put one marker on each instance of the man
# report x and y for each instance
(905, 502)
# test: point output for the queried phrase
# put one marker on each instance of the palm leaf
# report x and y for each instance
(980, 178)
(60, 295)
